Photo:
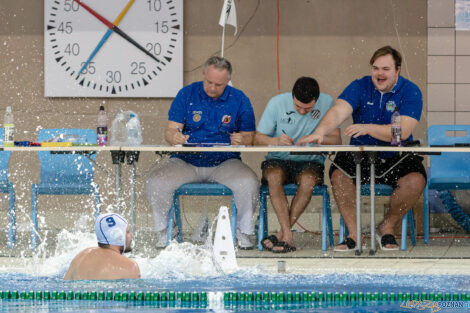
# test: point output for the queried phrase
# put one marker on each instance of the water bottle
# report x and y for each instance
(134, 132)
(396, 128)
(8, 128)
(118, 130)
(102, 127)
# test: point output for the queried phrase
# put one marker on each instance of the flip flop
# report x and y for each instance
(273, 239)
(285, 247)
(387, 239)
(349, 243)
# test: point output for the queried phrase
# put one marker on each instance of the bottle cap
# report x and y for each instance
(101, 108)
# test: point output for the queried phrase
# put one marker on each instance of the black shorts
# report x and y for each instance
(412, 163)
(292, 169)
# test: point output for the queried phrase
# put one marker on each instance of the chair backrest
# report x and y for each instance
(66, 168)
(449, 164)
(4, 160)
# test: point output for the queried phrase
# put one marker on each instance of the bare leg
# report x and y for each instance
(344, 191)
(404, 197)
(306, 181)
(275, 177)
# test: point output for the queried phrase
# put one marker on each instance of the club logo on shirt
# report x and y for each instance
(315, 114)
(197, 116)
(226, 119)
(390, 106)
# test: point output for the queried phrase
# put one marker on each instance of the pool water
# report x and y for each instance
(190, 269)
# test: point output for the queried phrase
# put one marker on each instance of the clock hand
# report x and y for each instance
(116, 22)
(116, 29)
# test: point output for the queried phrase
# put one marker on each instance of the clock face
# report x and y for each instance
(113, 48)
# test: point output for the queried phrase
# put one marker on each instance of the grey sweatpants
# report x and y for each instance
(243, 182)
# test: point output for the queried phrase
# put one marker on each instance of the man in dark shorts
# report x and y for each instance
(288, 117)
(371, 101)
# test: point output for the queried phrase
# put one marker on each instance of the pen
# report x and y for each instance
(283, 131)
(179, 130)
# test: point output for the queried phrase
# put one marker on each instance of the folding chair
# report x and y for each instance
(7, 187)
(449, 170)
(291, 190)
(64, 173)
(198, 189)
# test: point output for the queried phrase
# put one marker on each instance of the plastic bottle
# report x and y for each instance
(134, 132)
(8, 128)
(118, 131)
(396, 128)
(102, 127)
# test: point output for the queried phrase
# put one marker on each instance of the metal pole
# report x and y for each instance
(372, 203)
(118, 187)
(357, 158)
(132, 195)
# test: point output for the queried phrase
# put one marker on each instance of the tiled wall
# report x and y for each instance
(448, 66)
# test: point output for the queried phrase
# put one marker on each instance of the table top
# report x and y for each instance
(312, 149)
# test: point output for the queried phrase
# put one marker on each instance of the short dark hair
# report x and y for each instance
(103, 245)
(384, 51)
(306, 89)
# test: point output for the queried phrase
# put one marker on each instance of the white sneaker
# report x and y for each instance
(244, 242)
(162, 237)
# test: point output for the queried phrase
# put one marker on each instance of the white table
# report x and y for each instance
(132, 153)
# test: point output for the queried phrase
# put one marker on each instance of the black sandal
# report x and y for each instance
(349, 243)
(285, 247)
(273, 239)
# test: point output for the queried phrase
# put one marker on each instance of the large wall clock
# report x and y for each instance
(113, 48)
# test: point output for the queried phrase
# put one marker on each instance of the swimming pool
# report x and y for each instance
(186, 279)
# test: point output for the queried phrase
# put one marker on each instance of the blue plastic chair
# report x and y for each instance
(64, 173)
(7, 187)
(448, 171)
(291, 190)
(198, 189)
(408, 219)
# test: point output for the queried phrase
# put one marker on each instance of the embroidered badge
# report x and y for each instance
(226, 119)
(315, 114)
(196, 117)
(390, 106)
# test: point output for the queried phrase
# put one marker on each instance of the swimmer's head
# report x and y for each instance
(113, 229)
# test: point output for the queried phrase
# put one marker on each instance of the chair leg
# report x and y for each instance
(324, 225)
(341, 230)
(234, 221)
(411, 222)
(96, 194)
(426, 214)
(34, 216)
(404, 231)
(262, 226)
(11, 217)
(178, 220)
(170, 223)
(329, 219)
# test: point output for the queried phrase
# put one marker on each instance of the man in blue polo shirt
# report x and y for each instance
(209, 112)
(371, 101)
(288, 117)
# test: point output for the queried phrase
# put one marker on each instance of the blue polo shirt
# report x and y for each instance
(371, 106)
(211, 121)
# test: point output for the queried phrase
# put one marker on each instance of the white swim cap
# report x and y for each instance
(111, 229)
